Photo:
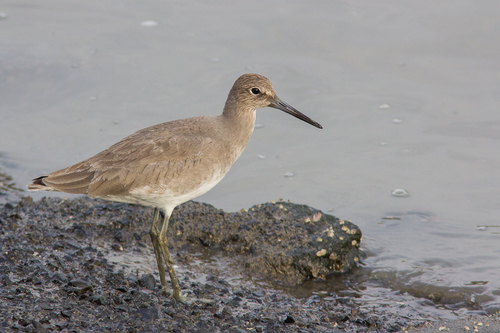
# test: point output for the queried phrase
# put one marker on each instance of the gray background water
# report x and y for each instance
(408, 94)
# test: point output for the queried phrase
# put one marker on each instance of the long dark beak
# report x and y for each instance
(280, 105)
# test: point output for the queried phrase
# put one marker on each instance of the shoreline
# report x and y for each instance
(56, 275)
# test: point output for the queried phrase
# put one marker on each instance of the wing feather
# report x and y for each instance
(155, 156)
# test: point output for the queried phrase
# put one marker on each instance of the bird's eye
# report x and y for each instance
(255, 91)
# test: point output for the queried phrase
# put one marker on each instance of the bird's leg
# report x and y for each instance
(159, 239)
(168, 261)
(155, 238)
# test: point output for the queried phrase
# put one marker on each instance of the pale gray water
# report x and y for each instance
(408, 94)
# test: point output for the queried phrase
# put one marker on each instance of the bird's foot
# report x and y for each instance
(191, 300)
(166, 292)
(184, 299)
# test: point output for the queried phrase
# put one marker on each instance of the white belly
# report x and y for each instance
(165, 199)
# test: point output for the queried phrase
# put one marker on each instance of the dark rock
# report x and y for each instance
(140, 297)
(25, 201)
(147, 281)
(8, 206)
(79, 283)
(66, 313)
(117, 247)
(90, 249)
(284, 242)
(221, 288)
(79, 287)
(61, 324)
(39, 328)
(234, 302)
(123, 236)
(25, 321)
(125, 221)
(83, 230)
(99, 299)
(6, 281)
(67, 244)
(150, 313)
(59, 277)
(289, 320)
(225, 313)
(29, 328)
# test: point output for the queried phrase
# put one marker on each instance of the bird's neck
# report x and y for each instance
(241, 121)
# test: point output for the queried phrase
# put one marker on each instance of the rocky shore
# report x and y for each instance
(56, 274)
(86, 265)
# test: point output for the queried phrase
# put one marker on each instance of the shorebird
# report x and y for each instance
(168, 164)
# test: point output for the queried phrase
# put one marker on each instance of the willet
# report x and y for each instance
(168, 164)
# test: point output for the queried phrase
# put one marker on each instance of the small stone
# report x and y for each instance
(321, 253)
(99, 299)
(39, 328)
(7, 281)
(316, 217)
(289, 320)
(329, 231)
(235, 301)
(66, 313)
(61, 324)
(80, 286)
(123, 236)
(148, 281)
(117, 247)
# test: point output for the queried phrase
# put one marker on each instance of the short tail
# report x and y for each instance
(63, 181)
(37, 184)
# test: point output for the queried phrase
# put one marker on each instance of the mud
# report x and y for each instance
(55, 274)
